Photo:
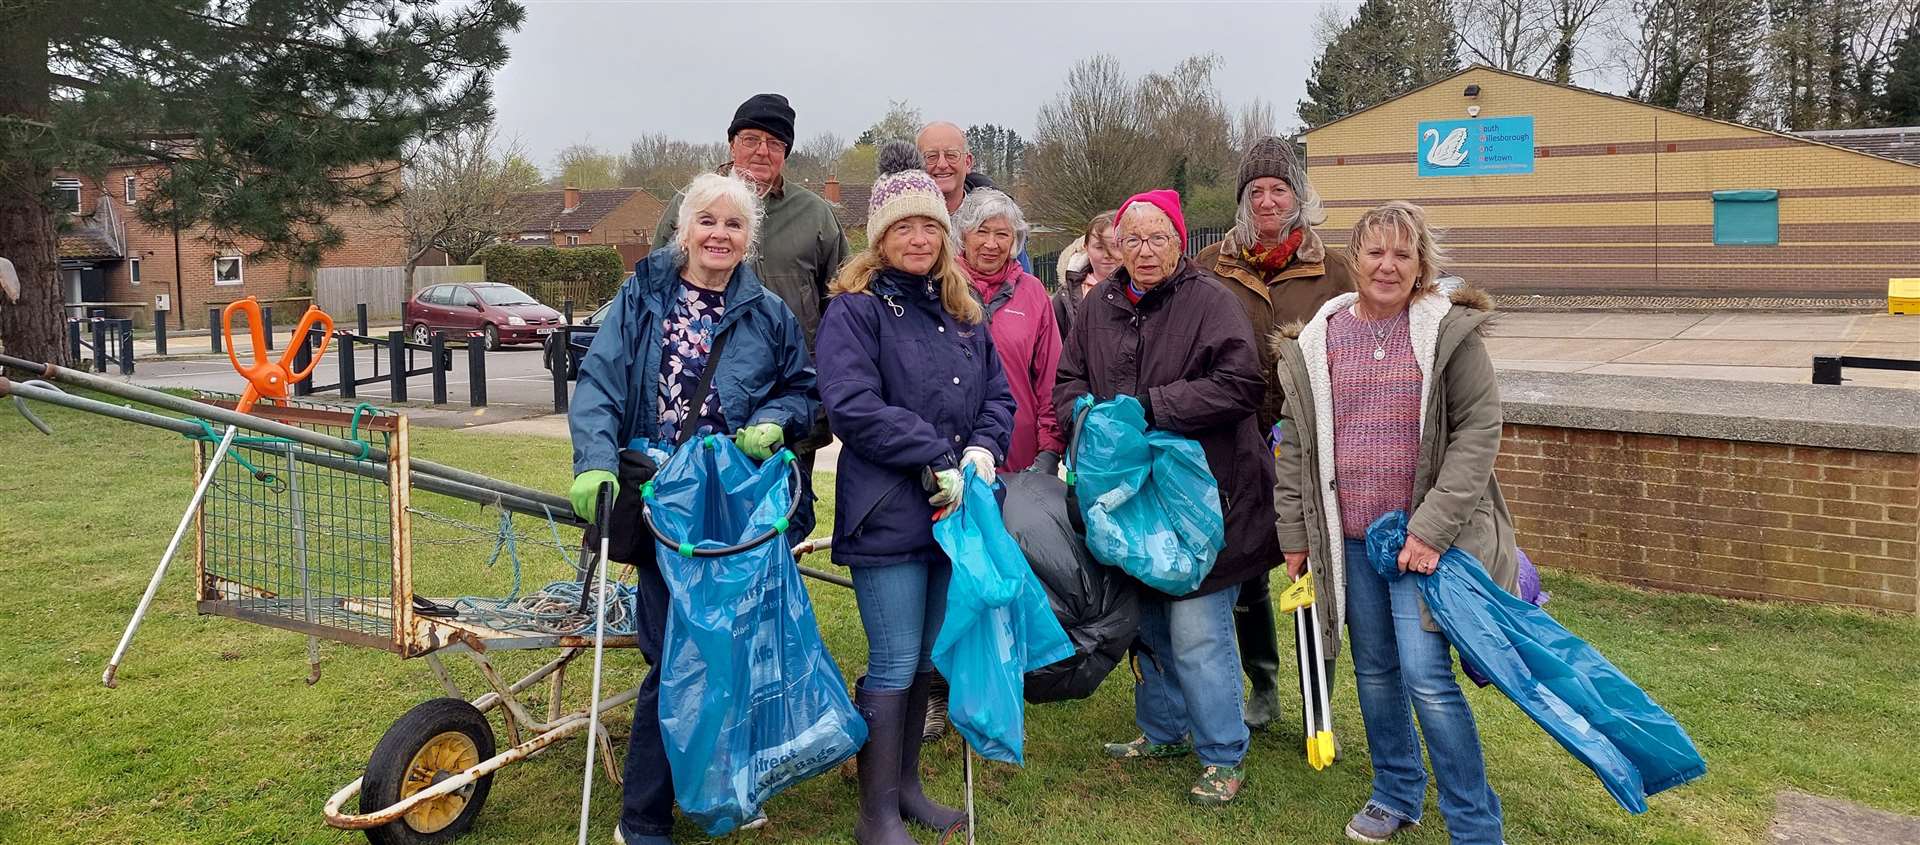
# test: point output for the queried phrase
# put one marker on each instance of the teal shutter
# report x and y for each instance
(1746, 217)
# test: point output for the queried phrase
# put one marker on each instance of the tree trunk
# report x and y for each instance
(31, 327)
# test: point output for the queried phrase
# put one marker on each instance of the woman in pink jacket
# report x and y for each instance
(991, 231)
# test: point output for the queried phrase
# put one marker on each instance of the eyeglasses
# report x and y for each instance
(937, 156)
(753, 143)
(1158, 241)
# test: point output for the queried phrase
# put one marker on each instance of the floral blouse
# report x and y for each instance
(688, 333)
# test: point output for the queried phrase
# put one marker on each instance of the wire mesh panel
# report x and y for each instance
(299, 537)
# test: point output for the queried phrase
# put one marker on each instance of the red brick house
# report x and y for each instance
(573, 217)
(106, 255)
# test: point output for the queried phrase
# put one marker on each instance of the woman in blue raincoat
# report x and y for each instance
(914, 390)
(1390, 391)
(637, 383)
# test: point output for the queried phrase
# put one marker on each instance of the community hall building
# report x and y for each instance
(1554, 190)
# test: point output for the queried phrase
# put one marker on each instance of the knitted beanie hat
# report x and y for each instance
(1270, 156)
(903, 190)
(768, 113)
(1165, 199)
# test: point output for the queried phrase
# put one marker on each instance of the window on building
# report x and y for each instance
(1746, 217)
(68, 195)
(133, 190)
(573, 240)
(133, 270)
(228, 270)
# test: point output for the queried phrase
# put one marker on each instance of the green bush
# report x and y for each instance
(551, 274)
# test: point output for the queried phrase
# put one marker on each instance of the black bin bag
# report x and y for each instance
(1096, 604)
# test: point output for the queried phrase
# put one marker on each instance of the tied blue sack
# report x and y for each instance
(1592, 708)
(750, 701)
(998, 626)
(1150, 504)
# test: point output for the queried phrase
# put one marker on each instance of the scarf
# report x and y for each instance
(1273, 259)
(985, 284)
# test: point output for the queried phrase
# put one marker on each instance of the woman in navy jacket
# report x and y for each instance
(914, 391)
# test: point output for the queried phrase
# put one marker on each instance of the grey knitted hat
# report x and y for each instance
(1270, 156)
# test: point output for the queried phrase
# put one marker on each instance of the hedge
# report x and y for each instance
(552, 274)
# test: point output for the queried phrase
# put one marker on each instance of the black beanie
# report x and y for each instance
(768, 113)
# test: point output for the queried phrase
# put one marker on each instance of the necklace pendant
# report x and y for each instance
(1379, 353)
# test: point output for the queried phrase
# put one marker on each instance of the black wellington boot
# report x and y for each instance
(915, 806)
(879, 764)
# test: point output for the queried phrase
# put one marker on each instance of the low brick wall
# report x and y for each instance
(1817, 499)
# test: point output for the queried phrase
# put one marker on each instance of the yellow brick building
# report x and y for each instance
(1616, 197)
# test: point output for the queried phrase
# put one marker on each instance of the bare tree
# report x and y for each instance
(1184, 111)
(903, 122)
(814, 159)
(1507, 34)
(663, 165)
(1089, 151)
(585, 166)
(458, 194)
(1256, 121)
(1571, 24)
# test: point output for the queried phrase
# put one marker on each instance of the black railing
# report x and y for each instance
(109, 339)
(1826, 368)
(399, 355)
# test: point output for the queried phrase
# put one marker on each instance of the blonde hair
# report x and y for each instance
(956, 290)
(1404, 222)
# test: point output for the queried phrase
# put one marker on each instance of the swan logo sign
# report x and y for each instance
(1487, 146)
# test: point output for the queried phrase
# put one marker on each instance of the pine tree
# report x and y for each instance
(1388, 48)
(267, 114)
(1900, 103)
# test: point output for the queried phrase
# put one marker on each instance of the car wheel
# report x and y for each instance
(492, 334)
(419, 334)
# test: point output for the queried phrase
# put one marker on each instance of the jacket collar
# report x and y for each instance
(659, 274)
(1309, 261)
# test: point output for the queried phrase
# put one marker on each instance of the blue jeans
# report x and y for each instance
(1396, 662)
(1187, 679)
(646, 792)
(901, 607)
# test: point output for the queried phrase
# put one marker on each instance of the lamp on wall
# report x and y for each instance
(1473, 95)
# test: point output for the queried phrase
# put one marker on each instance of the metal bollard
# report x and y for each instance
(397, 360)
(360, 317)
(126, 346)
(561, 363)
(99, 345)
(266, 320)
(348, 389)
(73, 341)
(566, 309)
(160, 331)
(302, 357)
(477, 372)
(438, 345)
(213, 327)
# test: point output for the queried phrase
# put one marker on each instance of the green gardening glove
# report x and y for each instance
(586, 490)
(759, 440)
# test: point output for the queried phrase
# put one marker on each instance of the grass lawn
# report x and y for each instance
(214, 737)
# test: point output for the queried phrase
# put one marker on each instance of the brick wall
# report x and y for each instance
(631, 223)
(1749, 520)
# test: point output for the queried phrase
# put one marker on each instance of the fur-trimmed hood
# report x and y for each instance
(1465, 296)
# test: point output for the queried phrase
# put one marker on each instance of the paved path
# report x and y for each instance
(1801, 819)
(1739, 347)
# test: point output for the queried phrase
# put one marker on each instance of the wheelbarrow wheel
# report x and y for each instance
(433, 742)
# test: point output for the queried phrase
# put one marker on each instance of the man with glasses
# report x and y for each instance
(943, 148)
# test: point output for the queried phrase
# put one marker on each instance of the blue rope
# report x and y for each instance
(554, 608)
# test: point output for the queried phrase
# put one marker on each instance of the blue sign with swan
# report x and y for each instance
(1487, 146)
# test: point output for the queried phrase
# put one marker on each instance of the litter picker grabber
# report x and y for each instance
(1315, 706)
(603, 512)
(266, 379)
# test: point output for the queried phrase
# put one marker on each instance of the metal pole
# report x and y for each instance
(160, 331)
(73, 340)
(566, 309)
(360, 317)
(438, 346)
(397, 361)
(300, 558)
(477, 373)
(348, 363)
(303, 356)
(160, 572)
(266, 320)
(604, 499)
(99, 344)
(561, 366)
(126, 346)
(213, 327)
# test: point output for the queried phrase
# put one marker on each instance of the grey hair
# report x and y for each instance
(1307, 210)
(702, 192)
(982, 205)
(1149, 211)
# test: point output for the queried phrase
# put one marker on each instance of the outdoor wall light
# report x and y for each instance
(1472, 93)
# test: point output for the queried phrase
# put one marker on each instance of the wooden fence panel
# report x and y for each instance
(384, 289)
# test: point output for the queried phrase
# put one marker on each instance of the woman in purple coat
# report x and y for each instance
(915, 393)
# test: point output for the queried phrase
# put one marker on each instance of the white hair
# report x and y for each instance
(1307, 211)
(1145, 212)
(709, 188)
(982, 205)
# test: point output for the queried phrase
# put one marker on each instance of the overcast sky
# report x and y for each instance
(606, 71)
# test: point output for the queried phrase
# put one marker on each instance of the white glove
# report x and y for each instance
(980, 461)
(948, 485)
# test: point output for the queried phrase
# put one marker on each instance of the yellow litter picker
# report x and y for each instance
(1316, 711)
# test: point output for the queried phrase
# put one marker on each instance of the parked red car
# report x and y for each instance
(502, 313)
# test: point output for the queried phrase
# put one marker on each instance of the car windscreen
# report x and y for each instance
(502, 295)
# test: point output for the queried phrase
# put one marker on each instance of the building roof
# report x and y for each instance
(1895, 142)
(86, 242)
(1804, 138)
(543, 211)
(851, 210)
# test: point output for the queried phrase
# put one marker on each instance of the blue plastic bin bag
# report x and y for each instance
(750, 701)
(1151, 506)
(998, 626)
(1564, 684)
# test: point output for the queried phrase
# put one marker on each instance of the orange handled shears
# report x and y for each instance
(266, 378)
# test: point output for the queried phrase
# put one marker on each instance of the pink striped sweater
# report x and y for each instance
(1376, 418)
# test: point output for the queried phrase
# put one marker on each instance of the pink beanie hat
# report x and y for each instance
(1168, 201)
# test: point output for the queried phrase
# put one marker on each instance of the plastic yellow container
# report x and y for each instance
(1903, 296)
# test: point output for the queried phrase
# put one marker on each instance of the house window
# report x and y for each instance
(68, 195)
(573, 240)
(133, 270)
(227, 270)
(133, 190)
(1746, 217)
